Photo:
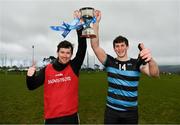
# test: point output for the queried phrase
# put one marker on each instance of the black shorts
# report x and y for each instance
(71, 119)
(112, 116)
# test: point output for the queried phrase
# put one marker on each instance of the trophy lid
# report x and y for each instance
(87, 8)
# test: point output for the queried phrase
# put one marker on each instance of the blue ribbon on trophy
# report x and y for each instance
(75, 24)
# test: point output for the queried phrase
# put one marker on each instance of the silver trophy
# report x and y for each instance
(87, 13)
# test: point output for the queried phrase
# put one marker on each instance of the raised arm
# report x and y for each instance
(33, 81)
(100, 53)
(81, 51)
(151, 68)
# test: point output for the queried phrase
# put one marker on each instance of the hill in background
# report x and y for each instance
(170, 68)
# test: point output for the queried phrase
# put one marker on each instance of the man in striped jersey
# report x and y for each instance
(123, 77)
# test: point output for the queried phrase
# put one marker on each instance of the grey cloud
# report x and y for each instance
(156, 23)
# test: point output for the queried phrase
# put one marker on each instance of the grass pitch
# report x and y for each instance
(159, 99)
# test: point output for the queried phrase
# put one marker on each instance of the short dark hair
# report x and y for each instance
(65, 44)
(120, 39)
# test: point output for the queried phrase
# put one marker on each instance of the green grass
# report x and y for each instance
(92, 97)
(159, 99)
(18, 105)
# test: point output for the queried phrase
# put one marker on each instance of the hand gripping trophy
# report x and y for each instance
(87, 17)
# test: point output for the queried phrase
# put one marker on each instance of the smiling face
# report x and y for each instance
(64, 55)
(64, 51)
(121, 50)
(121, 46)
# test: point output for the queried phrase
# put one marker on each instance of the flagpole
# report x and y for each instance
(33, 54)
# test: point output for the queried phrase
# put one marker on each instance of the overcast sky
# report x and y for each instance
(24, 23)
